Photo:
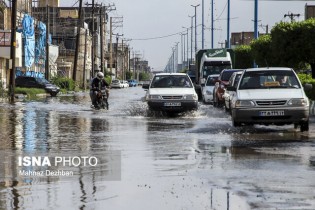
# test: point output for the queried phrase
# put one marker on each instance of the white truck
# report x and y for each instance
(211, 61)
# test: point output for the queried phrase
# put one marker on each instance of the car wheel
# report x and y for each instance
(235, 124)
(53, 94)
(304, 126)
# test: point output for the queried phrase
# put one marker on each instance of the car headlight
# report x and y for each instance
(153, 97)
(298, 102)
(190, 97)
(244, 103)
(208, 92)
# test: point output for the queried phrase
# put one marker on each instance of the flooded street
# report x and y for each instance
(197, 160)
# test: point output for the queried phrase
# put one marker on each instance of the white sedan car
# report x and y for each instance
(207, 90)
(117, 84)
(171, 93)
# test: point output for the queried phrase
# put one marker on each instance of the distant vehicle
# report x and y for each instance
(145, 84)
(270, 96)
(125, 83)
(171, 92)
(119, 84)
(219, 88)
(132, 82)
(35, 82)
(207, 90)
(233, 82)
(211, 61)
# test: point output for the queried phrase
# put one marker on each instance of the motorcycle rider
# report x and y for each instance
(98, 83)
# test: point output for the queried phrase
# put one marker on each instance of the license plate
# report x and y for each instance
(271, 113)
(172, 104)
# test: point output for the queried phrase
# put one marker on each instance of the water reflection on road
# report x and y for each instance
(193, 161)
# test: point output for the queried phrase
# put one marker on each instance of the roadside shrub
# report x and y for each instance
(29, 91)
(307, 79)
(64, 83)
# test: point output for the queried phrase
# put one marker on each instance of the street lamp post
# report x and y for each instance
(228, 26)
(195, 6)
(212, 24)
(191, 40)
(187, 48)
(203, 25)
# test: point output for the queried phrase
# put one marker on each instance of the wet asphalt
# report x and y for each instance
(196, 160)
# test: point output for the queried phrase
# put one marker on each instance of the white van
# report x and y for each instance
(270, 96)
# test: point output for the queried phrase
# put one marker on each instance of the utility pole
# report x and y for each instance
(187, 44)
(112, 24)
(191, 40)
(111, 46)
(203, 25)
(93, 41)
(255, 24)
(84, 62)
(47, 72)
(182, 48)
(291, 16)
(101, 37)
(228, 26)
(195, 6)
(122, 60)
(116, 54)
(212, 24)
(13, 51)
(76, 55)
(94, 48)
(103, 11)
(264, 26)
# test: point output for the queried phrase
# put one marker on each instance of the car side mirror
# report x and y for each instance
(308, 87)
(145, 86)
(231, 88)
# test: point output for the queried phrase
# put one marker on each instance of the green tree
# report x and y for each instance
(243, 57)
(262, 52)
(144, 76)
(128, 75)
(293, 44)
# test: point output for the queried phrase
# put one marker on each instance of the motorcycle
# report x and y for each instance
(101, 100)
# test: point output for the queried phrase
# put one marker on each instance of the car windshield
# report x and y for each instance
(211, 81)
(269, 79)
(42, 81)
(208, 70)
(167, 81)
(226, 75)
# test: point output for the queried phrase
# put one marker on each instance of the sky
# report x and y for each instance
(145, 21)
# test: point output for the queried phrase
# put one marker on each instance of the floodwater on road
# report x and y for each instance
(196, 160)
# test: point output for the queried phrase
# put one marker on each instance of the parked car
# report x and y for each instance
(270, 96)
(207, 90)
(220, 86)
(36, 82)
(119, 84)
(132, 82)
(171, 92)
(228, 94)
(125, 84)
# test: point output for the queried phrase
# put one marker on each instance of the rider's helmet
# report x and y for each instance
(100, 75)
